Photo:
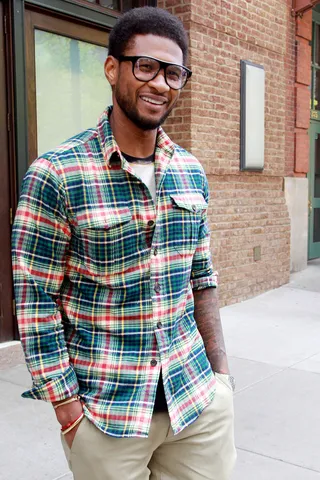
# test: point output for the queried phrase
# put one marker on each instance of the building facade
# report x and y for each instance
(265, 223)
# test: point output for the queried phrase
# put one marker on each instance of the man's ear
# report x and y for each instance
(111, 70)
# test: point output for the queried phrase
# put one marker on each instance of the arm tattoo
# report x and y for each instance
(207, 316)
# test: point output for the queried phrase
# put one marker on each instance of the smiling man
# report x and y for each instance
(115, 290)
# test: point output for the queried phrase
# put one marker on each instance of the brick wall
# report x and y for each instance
(290, 70)
(303, 76)
(246, 209)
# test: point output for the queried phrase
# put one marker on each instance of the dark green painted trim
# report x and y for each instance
(315, 16)
(313, 56)
(80, 12)
(313, 247)
(314, 46)
(20, 91)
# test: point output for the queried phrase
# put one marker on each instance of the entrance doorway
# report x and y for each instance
(314, 191)
(67, 89)
(7, 327)
(52, 86)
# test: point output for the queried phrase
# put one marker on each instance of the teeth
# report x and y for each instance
(154, 102)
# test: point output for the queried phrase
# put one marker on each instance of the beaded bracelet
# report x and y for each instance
(70, 426)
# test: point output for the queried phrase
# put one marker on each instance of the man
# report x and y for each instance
(115, 291)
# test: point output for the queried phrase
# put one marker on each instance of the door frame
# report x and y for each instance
(80, 15)
(15, 123)
(313, 248)
(8, 327)
(60, 26)
(16, 117)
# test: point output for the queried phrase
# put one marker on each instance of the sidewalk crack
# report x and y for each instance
(278, 460)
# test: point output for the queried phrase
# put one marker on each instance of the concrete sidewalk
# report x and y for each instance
(273, 343)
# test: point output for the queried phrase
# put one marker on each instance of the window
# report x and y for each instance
(66, 86)
(120, 5)
(315, 66)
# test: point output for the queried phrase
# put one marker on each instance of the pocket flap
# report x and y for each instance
(103, 218)
(193, 202)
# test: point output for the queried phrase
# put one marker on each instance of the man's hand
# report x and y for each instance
(66, 414)
(207, 316)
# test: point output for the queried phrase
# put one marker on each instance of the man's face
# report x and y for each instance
(133, 96)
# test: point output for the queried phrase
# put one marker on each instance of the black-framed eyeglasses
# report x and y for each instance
(146, 68)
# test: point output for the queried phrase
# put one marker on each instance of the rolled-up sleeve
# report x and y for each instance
(40, 239)
(203, 274)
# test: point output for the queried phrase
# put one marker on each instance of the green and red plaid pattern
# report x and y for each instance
(104, 278)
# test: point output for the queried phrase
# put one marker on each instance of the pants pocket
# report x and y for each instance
(224, 378)
(68, 451)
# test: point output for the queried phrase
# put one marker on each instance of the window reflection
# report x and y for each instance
(316, 76)
(71, 89)
(317, 169)
(123, 5)
(113, 4)
(317, 52)
(316, 225)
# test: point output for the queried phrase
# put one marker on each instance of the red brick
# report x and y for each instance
(303, 62)
(302, 106)
(302, 152)
(247, 209)
(304, 26)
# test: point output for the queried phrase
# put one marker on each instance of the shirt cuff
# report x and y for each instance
(59, 388)
(205, 282)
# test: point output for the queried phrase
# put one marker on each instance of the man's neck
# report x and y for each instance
(131, 139)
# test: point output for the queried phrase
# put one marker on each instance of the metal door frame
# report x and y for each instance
(8, 328)
(313, 247)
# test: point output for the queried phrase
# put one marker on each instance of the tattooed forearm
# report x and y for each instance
(206, 313)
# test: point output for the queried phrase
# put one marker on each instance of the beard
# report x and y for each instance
(131, 112)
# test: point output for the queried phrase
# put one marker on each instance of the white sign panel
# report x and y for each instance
(252, 116)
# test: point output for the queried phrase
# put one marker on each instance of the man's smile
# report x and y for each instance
(153, 99)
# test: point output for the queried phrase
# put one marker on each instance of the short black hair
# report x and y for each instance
(144, 21)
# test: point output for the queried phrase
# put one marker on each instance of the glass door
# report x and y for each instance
(314, 191)
(67, 89)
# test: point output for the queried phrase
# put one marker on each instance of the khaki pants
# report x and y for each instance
(202, 451)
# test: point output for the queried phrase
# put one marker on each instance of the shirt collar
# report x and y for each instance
(110, 148)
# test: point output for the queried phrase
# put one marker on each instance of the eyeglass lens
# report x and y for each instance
(146, 69)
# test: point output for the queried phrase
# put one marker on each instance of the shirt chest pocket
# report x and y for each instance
(103, 241)
(186, 216)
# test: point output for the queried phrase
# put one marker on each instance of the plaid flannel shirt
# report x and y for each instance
(104, 278)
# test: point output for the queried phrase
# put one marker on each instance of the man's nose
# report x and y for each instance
(159, 82)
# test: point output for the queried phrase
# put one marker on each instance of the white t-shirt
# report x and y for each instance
(144, 168)
(146, 172)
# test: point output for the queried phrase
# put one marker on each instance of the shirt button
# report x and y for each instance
(157, 287)
(153, 362)
(155, 251)
(150, 223)
(194, 208)
(159, 325)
